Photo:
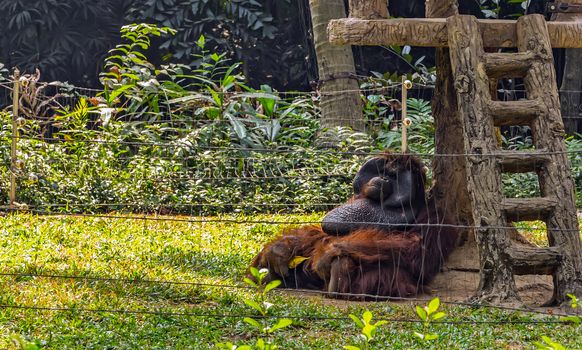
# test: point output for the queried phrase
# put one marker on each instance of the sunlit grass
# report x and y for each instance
(205, 258)
(535, 232)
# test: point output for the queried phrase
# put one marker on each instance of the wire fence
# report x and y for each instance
(148, 166)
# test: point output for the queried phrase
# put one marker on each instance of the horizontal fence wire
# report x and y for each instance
(296, 317)
(193, 154)
(147, 217)
(329, 150)
(289, 291)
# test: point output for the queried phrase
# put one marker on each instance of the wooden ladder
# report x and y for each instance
(473, 69)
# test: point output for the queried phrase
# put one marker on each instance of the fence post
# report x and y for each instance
(13, 149)
(406, 85)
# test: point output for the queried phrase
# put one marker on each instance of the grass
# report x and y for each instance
(81, 312)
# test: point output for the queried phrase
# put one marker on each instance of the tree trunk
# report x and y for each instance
(572, 78)
(340, 96)
(483, 179)
(450, 188)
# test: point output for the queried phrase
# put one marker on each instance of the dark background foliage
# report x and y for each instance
(68, 39)
(65, 40)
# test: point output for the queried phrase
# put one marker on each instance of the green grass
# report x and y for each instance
(196, 316)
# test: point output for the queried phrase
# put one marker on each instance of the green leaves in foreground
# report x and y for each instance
(22, 344)
(261, 305)
(367, 328)
(429, 314)
(548, 344)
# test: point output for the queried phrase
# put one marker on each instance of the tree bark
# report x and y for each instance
(483, 179)
(340, 97)
(572, 78)
(449, 168)
(555, 177)
(432, 32)
(368, 9)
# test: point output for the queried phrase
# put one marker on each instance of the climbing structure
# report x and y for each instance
(473, 116)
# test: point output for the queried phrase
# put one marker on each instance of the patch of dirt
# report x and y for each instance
(459, 279)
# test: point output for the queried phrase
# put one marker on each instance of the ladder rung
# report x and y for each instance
(528, 209)
(508, 65)
(534, 261)
(515, 112)
(522, 162)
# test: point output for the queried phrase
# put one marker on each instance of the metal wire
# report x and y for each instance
(330, 150)
(298, 291)
(146, 217)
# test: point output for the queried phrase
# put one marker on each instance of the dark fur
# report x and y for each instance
(372, 260)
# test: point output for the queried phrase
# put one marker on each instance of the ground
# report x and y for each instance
(118, 300)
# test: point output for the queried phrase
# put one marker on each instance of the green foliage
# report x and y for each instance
(367, 328)
(420, 133)
(573, 146)
(146, 142)
(428, 314)
(574, 305)
(225, 23)
(261, 305)
(548, 344)
(270, 37)
(130, 81)
(22, 344)
(120, 260)
(65, 39)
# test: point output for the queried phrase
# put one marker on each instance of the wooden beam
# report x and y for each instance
(534, 261)
(432, 32)
(528, 209)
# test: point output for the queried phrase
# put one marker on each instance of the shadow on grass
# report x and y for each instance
(189, 277)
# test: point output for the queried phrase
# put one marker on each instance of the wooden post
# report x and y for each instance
(572, 77)
(406, 84)
(368, 9)
(483, 180)
(13, 148)
(555, 178)
(449, 172)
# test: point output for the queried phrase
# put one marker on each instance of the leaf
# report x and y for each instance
(419, 335)
(216, 97)
(357, 321)
(296, 261)
(574, 300)
(283, 322)
(351, 347)
(368, 331)
(430, 336)
(254, 272)
(433, 305)
(238, 127)
(367, 316)
(254, 305)
(380, 323)
(250, 282)
(118, 92)
(421, 313)
(272, 285)
(201, 41)
(438, 315)
(554, 345)
(260, 343)
(252, 322)
(573, 319)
